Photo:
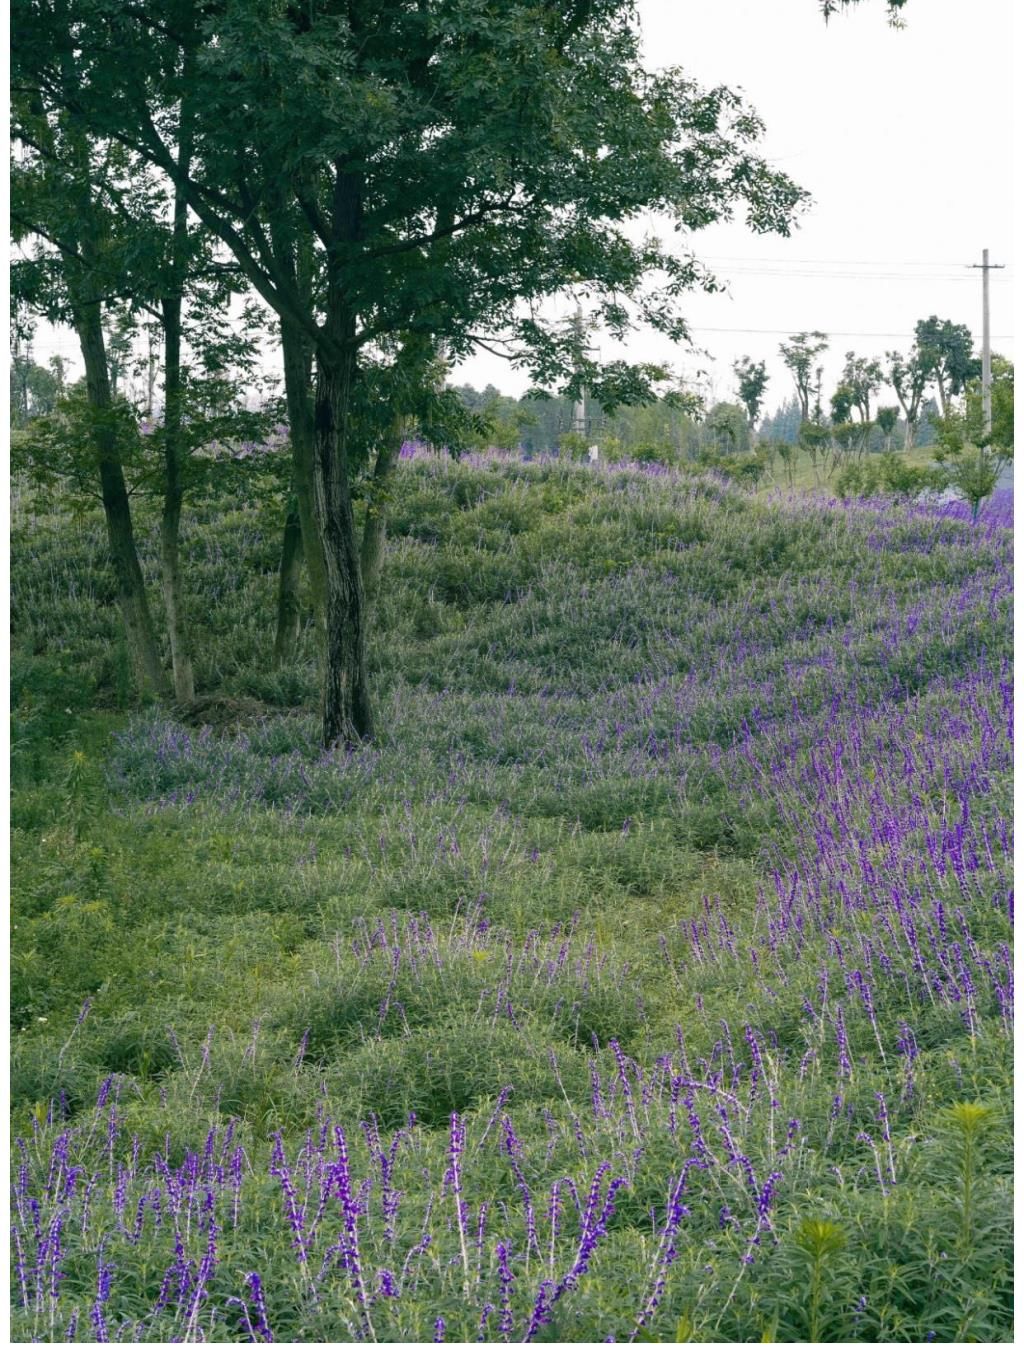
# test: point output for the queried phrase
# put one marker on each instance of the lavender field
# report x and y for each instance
(648, 979)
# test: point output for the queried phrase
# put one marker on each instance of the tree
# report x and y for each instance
(784, 426)
(1000, 434)
(863, 379)
(886, 418)
(946, 350)
(841, 404)
(975, 457)
(58, 197)
(34, 389)
(799, 355)
(909, 378)
(146, 260)
(814, 438)
(726, 428)
(453, 163)
(751, 380)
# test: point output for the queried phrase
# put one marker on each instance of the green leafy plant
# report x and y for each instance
(821, 1242)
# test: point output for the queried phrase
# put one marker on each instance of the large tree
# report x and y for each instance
(457, 162)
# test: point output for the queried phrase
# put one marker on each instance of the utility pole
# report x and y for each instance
(579, 407)
(986, 347)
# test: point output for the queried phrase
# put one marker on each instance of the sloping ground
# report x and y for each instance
(648, 979)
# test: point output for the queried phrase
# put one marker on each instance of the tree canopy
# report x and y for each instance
(448, 166)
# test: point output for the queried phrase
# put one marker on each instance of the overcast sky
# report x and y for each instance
(903, 138)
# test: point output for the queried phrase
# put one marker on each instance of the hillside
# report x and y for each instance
(648, 978)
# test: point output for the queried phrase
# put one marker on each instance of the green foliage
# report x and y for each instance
(887, 474)
(724, 429)
(821, 1242)
(1000, 436)
(799, 354)
(861, 380)
(62, 447)
(746, 470)
(813, 435)
(34, 389)
(973, 457)
(945, 349)
(579, 137)
(752, 380)
(886, 419)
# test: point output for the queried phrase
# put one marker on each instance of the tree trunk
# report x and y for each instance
(347, 712)
(297, 358)
(375, 524)
(131, 588)
(170, 520)
(288, 613)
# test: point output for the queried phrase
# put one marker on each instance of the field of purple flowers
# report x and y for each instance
(649, 979)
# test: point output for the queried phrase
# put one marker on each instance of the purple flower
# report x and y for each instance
(259, 1304)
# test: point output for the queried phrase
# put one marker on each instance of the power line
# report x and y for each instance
(733, 270)
(798, 260)
(829, 331)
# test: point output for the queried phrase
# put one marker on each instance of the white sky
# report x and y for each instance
(903, 139)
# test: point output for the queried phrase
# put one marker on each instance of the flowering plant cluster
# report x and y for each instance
(634, 990)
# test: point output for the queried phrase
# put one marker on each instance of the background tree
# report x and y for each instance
(725, 429)
(1000, 435)
(908, 377)
(841, 404)
(946, 349)
(35, 389)
(799, 355)
(886, 419)
(814, 440)
(863, 379)
(784, 425)
(752, 381)
(973, 456)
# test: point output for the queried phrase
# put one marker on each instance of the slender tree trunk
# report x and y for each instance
(289, 575)
(375, 525)
(347, 712)
(297, 358)
(174, 454)
(150, 372)
(170, 520)
(131, 588)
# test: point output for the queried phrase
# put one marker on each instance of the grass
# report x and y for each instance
(672, 901)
